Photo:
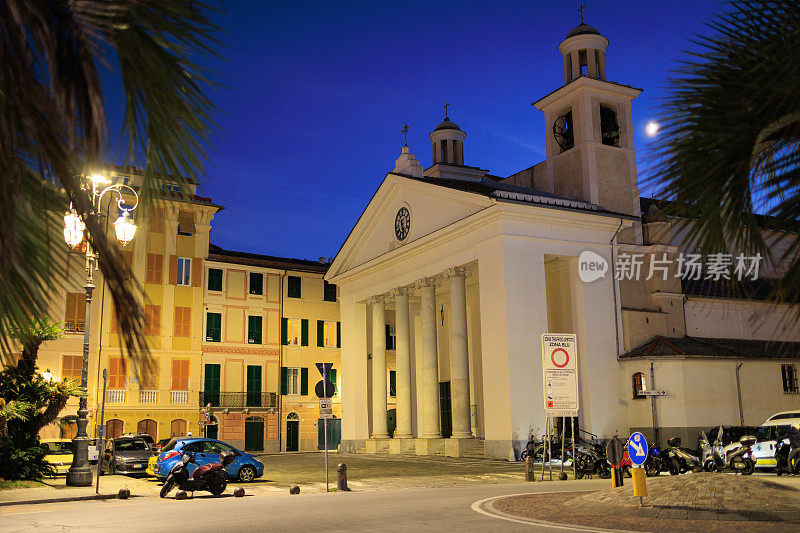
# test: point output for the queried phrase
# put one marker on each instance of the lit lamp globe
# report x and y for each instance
(47, 375)
(125, 228)
(73, 229)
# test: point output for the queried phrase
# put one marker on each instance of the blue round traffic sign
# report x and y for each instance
(637, 449)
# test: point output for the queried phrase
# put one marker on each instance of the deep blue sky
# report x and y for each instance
(317, 92)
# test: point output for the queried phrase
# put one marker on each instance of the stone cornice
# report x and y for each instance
(240, 350)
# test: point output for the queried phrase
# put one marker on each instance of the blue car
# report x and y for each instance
(245, 467)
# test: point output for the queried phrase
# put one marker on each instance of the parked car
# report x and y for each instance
(145, 436)
(244, 467)
(767, 437)
(158, 446)
(94, 453)
(126, 455)
(59, 454)
(151, 466)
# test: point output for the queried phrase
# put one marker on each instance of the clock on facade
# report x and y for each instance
(562, 131)
(402, 223)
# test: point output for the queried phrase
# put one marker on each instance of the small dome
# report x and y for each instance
(447, 125)
(583, 29)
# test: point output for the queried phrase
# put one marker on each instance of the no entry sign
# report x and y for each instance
(560, 372)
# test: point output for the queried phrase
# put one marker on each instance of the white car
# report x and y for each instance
(94, 453)
(767, 437)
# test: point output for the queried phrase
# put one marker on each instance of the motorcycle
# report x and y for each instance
(782, 451)
(590, 458)
(736, 456)
(652, 465)
(708, 457)
(678, 459)
(209, 477)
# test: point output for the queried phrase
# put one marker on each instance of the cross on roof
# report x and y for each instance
(581, 10)
(405, 133)
(446, 105)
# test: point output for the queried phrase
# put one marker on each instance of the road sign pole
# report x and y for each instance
(99, 440)
(563, 440)
(550, 450)
(325, 430)
(574, 447)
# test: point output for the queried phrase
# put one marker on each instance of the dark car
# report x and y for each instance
(126, 455)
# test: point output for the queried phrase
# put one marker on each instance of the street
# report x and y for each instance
(430, 509)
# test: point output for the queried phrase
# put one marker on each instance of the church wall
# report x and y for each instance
(568, 175)
(616, 192)
(740, 319)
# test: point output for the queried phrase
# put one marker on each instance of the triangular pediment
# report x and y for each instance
(431, 208)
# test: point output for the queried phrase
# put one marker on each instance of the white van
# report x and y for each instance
(767, 437)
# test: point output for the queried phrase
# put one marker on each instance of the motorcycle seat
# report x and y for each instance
(201, 471)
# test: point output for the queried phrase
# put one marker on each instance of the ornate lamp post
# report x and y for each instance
(79, 474)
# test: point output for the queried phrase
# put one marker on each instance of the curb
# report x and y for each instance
(60, 500)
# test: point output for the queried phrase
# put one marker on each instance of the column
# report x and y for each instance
(429, 390)
(403, 364)
(459, 356)
(379, 427)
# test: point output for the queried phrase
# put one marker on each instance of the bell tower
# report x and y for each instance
(589, 129)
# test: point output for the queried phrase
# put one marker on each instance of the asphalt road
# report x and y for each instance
(437, 509)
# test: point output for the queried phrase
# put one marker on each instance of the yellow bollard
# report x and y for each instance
(639, 483)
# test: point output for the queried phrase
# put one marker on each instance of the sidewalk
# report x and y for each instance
(56, 490)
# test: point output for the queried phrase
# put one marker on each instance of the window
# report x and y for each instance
(116, 373)
(253, 386)
(180, 374)
(183, 321)
(609, 128)
(294, 331)
(391, 337)
(638, 385)
(294, 381)
(71, 367)
(293, 287)
(150, 376)
(157, 220)
(184, 271)
(186, 223)
(75, 312)
(327, 334)
(256, 283)
(214, 279)
(152, 317)
(254, 329)
(392, 383)
(329, 292)
(213, 327)
(177, 428)
(789, 374)
(154, 269)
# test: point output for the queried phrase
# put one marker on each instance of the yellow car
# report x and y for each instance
(151, 466)
(59, 454)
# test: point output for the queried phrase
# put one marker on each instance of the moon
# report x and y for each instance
(652, 128)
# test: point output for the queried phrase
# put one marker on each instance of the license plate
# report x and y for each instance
(138, 466)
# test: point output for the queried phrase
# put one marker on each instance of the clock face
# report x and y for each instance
(402, 224)
(562, 131)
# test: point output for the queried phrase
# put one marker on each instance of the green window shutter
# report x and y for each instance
(256, 283)
(304, 332)
(332, 379)
(338, 334)
(254, 379)
(213, 327)
(284, 332)
(320, 333)
(211, 385)
(214, 279)
(254, 329)
(388, 338)
(284, 381)
(304, 381)
(392, 383)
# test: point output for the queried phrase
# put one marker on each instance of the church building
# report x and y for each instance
(451, 275)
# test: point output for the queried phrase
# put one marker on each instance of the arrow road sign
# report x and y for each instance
(652, 393)
(637, 449)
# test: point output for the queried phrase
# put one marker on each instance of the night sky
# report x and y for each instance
(316, 94)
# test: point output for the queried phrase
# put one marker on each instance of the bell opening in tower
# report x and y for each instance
(609, 127)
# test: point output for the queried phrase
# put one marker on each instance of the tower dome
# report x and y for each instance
(584, 52)
(448, 142)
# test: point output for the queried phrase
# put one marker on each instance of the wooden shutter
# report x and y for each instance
(71, 367)
(284, 331)
(116, 373)
(304, 381)
(157, 220)
(186, 222)
(183, 325)
(304, 332)
(153, 319)
(197, 271)
(338, 334)
(150, 377)
(180, 374)
(320, 333)
(284, 381)
(154, 272)
(70, 312)
(173, 269)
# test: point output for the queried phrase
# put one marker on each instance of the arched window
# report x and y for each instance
(639, 385)
(609, 127)
(292, 416)
(177, 428)
(113, 429)
(148, 426)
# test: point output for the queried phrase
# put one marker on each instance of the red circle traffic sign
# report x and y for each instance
(553, 357)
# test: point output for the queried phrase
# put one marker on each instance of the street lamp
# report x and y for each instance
(47, 375)
(79, 474)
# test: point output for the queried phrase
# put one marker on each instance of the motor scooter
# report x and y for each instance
(708, 457)
(209, 477)
(652, 465)
(678, 459)
(782, 450)
(736, 456)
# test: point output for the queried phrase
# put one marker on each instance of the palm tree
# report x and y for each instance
(53, 129)
(730, 146)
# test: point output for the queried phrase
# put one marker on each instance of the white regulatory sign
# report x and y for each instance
(325, 408)
(560, 373)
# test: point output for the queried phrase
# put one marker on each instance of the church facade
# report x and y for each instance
(467, 270)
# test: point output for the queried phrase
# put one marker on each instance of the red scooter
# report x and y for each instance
(210, 477)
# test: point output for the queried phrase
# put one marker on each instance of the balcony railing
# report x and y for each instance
(72, 326)
(115, 396)
(266, 400)
(179, 396)
(148, 396)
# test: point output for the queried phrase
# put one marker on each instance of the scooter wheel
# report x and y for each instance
(219, 488)
(749, 468)
(167, 488)
(674, 467)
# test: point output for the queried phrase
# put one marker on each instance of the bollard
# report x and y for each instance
(294, 489)
(238, 493)
(341, 484)
(639, 484)
(123, 494)
(562, 476)
(530, 475)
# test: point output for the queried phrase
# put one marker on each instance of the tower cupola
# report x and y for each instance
(448, 142)
(584, 52)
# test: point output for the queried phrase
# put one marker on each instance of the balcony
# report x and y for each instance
(148, 396)
(115, 396)
(179, 396)
(73, 326)
(239, 400)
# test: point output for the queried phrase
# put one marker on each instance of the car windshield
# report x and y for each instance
(131, 445)
(58, 448)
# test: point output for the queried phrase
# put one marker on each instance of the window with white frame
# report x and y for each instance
(789, 375)
(293, 381)
(184, 271)
(294, 328)
(330, 335)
